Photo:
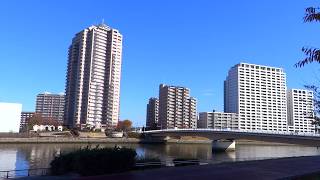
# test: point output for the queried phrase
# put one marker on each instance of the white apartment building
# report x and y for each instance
(93, 77)
(218, 120)
(177, 109)
(258, 94)
(300, 111)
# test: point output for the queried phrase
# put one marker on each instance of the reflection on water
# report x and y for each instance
(30, 156)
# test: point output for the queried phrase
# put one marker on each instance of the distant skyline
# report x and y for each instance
(184, 43)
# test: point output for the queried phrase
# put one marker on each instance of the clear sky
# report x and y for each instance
(185, 43)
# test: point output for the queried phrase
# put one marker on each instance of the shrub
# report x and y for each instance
(94, 161)
(75, 132)
(185, 162)
(134, 135)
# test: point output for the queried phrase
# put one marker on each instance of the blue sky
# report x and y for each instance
(186, 43)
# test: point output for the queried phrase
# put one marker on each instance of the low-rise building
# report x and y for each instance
(218, 120)
(47, 124)
(43, 127)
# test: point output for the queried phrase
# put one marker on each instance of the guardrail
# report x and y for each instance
(239, 131)
(24, 172)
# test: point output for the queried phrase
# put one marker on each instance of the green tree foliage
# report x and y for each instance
(94, 161)
(312, 54)
(312, 14)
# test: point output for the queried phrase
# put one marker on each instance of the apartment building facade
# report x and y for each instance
(218, 120)
(257, 93)
(93, 77)
(300, 111)
(23, 120)
(177, 109)
(152, 114)
(51, 105)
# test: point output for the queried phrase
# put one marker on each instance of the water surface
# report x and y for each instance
(30, 156)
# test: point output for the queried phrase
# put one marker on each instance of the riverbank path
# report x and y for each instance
(284, 168)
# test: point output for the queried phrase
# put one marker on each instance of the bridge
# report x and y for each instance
(226, 139)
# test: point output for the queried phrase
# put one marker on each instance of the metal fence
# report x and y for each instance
(23, 173)
(264, 132)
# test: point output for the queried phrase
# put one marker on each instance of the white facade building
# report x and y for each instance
(300, 111)
(258, 94)
(42, 127)
(10, 114)
(218, 120)
(93, 78)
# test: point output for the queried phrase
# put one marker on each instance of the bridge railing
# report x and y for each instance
(238, 130)
(23, 173)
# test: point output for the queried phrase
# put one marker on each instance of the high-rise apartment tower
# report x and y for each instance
(176, 108)
(50, 105)
(23, 120)
(300, 111)
(258, 94)
(152, 113)
(93, 77)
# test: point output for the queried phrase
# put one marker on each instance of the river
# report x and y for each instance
(30, 156)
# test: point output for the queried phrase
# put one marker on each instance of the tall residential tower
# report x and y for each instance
(176, 108)
(50, 105)
(300, 111)
(258, 94)
(93, 77)
(152, 113)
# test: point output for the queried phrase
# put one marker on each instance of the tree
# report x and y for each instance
(312, 55)
(124, 125)
(38, 119)
(33, 120)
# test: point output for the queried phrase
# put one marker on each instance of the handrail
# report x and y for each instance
(236, 131)
(28, 171)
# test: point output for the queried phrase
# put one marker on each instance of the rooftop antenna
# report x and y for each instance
(102, 20)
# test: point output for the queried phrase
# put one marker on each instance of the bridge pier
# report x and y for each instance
(223, 145)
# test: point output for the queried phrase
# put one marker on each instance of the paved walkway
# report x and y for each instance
(262, 170)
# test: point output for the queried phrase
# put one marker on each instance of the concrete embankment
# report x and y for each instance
(126, 140)
(96, 140)
(69, 140)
